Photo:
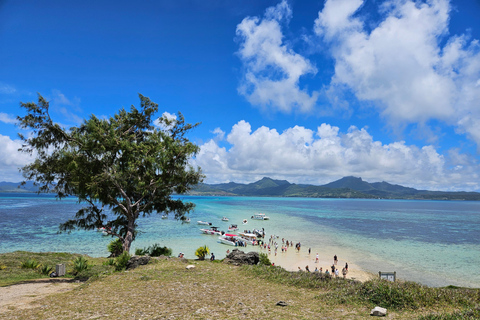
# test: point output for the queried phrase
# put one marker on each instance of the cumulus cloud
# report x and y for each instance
(407, 65)
(272, 69)
(11, 159)
(319, 156)
(6, 118)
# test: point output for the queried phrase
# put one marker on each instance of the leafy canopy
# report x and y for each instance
(124, 164)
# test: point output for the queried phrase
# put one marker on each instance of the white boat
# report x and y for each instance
(224, 219)
(186, 220)
(204, 222)
(231, 240)
(232, 227)
(212, 230)
(260, 216)
(249, 238)
(244, 221)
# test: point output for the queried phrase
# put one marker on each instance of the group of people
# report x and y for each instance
(334, 270)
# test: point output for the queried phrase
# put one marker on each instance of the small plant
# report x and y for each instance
(109, 262)
(264, 259)
(115, 248)
(46, 270)
(121, 261)
(30, 264)
(80, 264)
(3, 267)
(202, 252)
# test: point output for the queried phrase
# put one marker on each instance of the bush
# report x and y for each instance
(80, 264)
(46, 270)
(30, 264)
(115, 248)
(141, 252)
(121, 261)
(264, 259)
(156, 251)
(202, 252)
(109, 262)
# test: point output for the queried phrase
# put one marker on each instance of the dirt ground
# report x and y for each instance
(23, 296)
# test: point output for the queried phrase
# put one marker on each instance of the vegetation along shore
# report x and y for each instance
(166, 289)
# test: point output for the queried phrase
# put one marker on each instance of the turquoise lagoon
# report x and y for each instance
(436, 243)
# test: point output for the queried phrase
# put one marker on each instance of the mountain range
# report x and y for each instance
(347, 187)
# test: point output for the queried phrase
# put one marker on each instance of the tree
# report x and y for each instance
(120, 168)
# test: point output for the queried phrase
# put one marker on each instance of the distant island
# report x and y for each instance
(347, 187)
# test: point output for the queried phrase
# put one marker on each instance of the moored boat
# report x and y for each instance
(212, 230)
(204, 222)
(249, 238)
(231, 240)
(245, 221)
(224, 219)
(260, 216)
(232, 227)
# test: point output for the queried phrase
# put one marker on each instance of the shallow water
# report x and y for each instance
(432, 242)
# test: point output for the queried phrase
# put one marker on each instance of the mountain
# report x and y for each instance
(15, 187)
(347, 187)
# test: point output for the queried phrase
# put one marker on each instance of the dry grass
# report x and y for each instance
(167, 290)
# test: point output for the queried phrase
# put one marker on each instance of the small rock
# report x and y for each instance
(282, 303)
(379, 312)
(190, 266)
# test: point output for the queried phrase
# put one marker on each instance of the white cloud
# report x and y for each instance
(272, 69)
(401, 64)
(11, 159)
(7, 89)
(6, 118)
(302, 155)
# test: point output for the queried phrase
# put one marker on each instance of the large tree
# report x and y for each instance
(120, 168)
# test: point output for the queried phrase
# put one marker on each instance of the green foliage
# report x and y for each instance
(470, 314)
(264, 259)
(80, 264)
(115, 247)
(30, 264)
(124, 163)
(109, 262)
(141, 252)
(202, 252)
(46, 270)
(121, 261)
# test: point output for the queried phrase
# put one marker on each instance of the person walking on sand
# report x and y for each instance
(335, 260)
(344, 272)
(346, 266)
(316, 259)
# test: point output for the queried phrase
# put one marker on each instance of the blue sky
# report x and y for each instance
(307, 91)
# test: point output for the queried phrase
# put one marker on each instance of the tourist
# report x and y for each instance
(212, 257)
(309, 249)
(335, 260)
(307, 269)
(344, 272)
(316, 259)
(336, 273)
(346, 266)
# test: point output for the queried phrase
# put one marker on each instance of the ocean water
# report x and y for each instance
(436, 243)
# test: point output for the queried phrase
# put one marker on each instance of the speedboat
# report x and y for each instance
(232, 227)
(249, 238)
(260, 216)
(212, 230)
(231, 240)
(204, 222)
(224, 219)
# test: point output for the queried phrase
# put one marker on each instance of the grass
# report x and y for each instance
(165, 289)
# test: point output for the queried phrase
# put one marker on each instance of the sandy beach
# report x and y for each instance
(292, 260)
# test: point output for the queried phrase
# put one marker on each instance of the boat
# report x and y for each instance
(244, 221)
(260, 216)
(232, 227)
(186, 220)
(204, 222)
(212, 230)
(224, 219)
(231, 240)
(249, 238)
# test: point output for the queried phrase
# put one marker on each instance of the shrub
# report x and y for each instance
(121, 261)
(46, 270)
(30, 264)
(156, 251)
(115, 247)
(109, 262)
(202, 252)
(80, 264)
(264, 259)
(141, 252)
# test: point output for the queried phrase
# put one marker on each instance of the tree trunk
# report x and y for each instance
(127, 242)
